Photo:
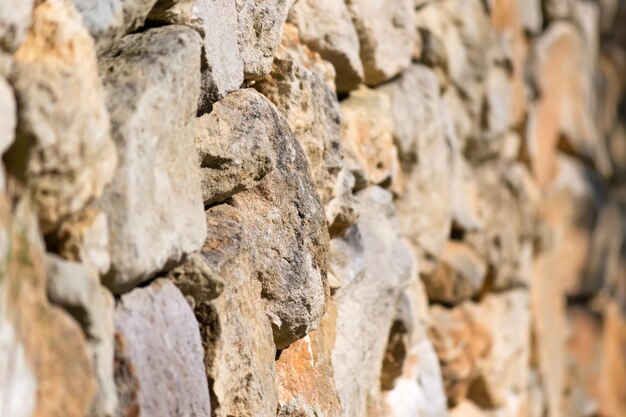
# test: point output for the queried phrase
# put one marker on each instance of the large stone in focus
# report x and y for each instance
(297, 87)
(425, 211)
(233, 146)
(44, 366)
(386, 36)
(77, 289)
(326, 27)
(366, 305)
(236, 334)
(286, 223)
(260, 24)
(152, 83)
(63, 150)
(160, 353)
(366, 136)
(15, 19)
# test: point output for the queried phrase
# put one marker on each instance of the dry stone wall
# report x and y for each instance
(312, 208)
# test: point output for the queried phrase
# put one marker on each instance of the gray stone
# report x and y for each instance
(15, 19)
(77, 288)
(8, 121)
(161, 353)
(64, 150)
(287, 224)
(196, 279)
(530, 14)
(152, 82)
(233, 145)
(326, 27)
(387, 36)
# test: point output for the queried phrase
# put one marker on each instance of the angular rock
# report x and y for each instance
(386, 36)
(366, 306)
(366, 136)
(299, 91)
(286, 223)
(196, 279)
(152, 83)
(109, 20)
(260, 24)
(77, 289)
(237, 337)
(459, 275)
(15, 19)
(63, 150)
(161, 353)
(44, 365)
(233, 146)
(345, 259)
(326, 27)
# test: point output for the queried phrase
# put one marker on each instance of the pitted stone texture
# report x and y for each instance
(64, 150)
(297, 88)
(44, 365)
(109, 20)
(326, 27)
(260, 26)
(287, 224)
(366, 306)
(386, 33)
(162, 352)
(366, 136)
(425, 211)
(234, 145)
(15, 20)
(152, 82)
(195, 278)
(77, 289)
(237, 337)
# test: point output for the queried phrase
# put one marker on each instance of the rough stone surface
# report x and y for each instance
(162, 352)
(8, 122)
(63, 150)
(152, 117)
(326, 27)
(15, 19)
(233, 145)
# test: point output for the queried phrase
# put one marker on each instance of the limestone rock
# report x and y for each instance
(63, 150)
(196, 279)
(366, 136)
(260, 24)
(386, 36)
(326, 27)
(77, 289)
(287, 224)
(152, 84)
(298, 90)
(44, 365)
(366, 306)
(237, 337)
(530, 15)
(109, 20)
(233, 146)
(161, 352)
(459, 275)
(557, 9)
(15, 19)
(345, 259)
(8, 122)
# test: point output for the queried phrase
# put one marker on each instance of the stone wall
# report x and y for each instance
(312, 208)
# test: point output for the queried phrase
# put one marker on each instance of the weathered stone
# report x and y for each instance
(233, 145)
(84, 237)
(77, 289)
(366, 136)
(465, 197)
(109, 20)
(63, 149)
(8, 122)
(152, 83)
(557, 9)
(15, 19)
(530, 15)
(459, 275)
(43, 363)
(196, 280)
(366, 306)
(326, 27)
(386, 36)
(312, 111)
(216, 21)
(426, 154)
(237, 337)
(162, 352)
(345, 259)
(259, 29)
(287, 224)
